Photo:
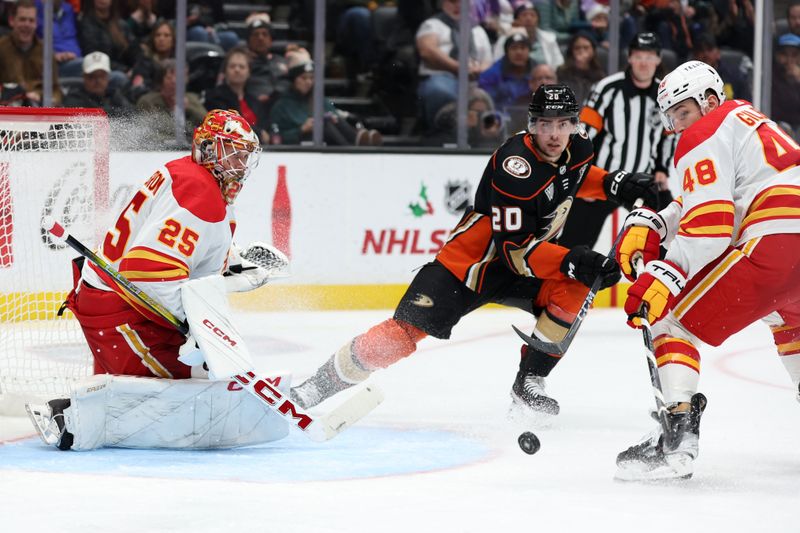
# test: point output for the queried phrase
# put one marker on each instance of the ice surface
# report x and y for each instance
(439, 454)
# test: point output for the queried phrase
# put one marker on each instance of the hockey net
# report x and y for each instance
(52, 162)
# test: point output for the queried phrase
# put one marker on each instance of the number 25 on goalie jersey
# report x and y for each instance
(741, 180)
(521, 205)
(176, 227)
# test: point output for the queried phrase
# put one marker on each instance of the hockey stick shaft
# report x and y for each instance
(560, 348)
(652, 365)
(317, 429)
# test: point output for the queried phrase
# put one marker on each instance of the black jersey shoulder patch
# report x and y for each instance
(517, 166)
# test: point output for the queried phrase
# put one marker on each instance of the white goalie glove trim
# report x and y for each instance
(254, 266)
(647, 218)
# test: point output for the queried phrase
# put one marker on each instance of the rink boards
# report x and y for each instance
(357, 226)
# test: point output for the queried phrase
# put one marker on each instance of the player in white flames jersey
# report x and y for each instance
(178, 226)
(733, 253)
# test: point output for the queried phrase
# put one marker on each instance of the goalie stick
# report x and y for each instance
(318, 429)
(560, 348)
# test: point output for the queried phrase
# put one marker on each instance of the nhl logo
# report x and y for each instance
(562, 169)
(457, 196)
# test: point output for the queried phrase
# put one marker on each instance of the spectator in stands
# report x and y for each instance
(203, 16)
(157, 106)
(437, 44)
(669, 23)
(142, 20)
(517, 114)
(21, 55)
(291, 113)
(737, 77)
(793, 16)
(736, 25)
(486, 128)
(540, 75)
(101, 30)
(66, 49)
(560, 16)
(544, 46)
(597, 17)
(786, 80)
(581, 69)
(507, 80)
(353, 35)
(267, 70)
(160, 45)
(95, 91)
(233, 93)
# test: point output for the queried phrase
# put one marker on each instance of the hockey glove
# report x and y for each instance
(253, 267)
(624, 188)
(656, 288)
(584, 264)
(644, 231)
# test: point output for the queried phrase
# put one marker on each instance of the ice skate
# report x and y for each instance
(49, 422)
(319, 387)
(650, 461)
(529, 398)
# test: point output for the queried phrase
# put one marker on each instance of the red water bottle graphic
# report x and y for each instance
(282, 214)
(6, 219)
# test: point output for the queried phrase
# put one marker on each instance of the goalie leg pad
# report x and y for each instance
(386, 343)
(134, 412)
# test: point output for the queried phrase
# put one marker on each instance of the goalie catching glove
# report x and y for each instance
(585, 265)
(254, 266)
(655, 290)
(644, 231)
(625, 188)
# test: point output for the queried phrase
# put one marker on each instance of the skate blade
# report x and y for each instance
(675, 467)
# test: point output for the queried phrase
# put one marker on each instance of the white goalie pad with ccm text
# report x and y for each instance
(205, 302)
(138, 412)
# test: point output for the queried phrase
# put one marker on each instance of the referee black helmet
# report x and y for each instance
(645, 41)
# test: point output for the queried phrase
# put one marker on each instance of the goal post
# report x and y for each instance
(53, 162)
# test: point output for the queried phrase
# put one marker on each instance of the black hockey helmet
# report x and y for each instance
(645, 41)
(556, 100)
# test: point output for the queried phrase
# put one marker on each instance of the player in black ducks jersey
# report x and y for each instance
(503, 251)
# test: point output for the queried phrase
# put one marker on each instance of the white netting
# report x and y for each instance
(50, 164)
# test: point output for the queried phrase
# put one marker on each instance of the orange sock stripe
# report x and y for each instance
(672, 350)
(787, 339)
(679, 359)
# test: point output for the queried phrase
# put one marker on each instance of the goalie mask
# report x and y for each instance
(692, 79)
(226, 145)
(553, 101)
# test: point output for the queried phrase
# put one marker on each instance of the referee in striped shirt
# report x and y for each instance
(622, 118)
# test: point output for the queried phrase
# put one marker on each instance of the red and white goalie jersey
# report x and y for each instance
(740, 181)
(176, 227)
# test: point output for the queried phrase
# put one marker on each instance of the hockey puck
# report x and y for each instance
(529, 443)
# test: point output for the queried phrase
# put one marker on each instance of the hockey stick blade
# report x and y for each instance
(348, 413)
(555, 348)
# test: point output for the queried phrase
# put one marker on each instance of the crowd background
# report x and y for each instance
(390, 72)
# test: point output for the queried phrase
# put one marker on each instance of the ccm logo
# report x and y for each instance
(272, 396)
(218, 332)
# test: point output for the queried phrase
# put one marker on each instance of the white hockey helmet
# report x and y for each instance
(690, 80)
